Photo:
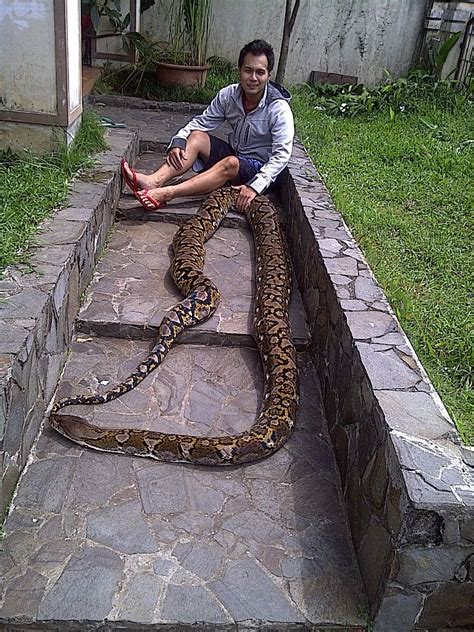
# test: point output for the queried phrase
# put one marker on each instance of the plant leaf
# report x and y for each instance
(444, 51)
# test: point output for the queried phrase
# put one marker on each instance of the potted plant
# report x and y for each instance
(183, 62)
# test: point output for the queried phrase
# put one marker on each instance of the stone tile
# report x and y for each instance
(369, 324)
(122, 528)
(114, 474)
(391, 339)
(312, 592)
(46, 485)
(249, 594)
(451, 605)
(426, 492)
(385, 369)
(195, 523)
(250, 524)
(353, 305)
(421, 456)
(414, 413)
(342, 266)
(24, 305)
(85, 589)
(57, 231)
(212, 390)
(199, 558)
(330, 247)
(340, 279)
(154, 127)
(194, 534)
(421, 566)
(141, 596)
(366, 289)
(374, 557)
(192, 604)
(399, 610)
(23, 596)
(161, 494)
(437, 494)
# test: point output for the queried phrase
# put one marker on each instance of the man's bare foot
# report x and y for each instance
(154, 199)
(161, 194)
(137, 181)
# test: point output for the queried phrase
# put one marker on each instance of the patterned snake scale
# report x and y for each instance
(271, 331)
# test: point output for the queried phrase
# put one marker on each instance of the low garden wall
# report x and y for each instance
(39, 304)
(407, 481)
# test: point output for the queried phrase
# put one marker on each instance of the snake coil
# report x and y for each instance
(272, 333)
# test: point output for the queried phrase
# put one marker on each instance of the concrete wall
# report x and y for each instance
(356, 37)
(40, 73)
(27, 73)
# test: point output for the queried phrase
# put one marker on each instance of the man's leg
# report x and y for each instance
(226, 170)
(198, 144)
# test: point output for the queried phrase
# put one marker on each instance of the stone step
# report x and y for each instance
(176, 212)
(94, 537)
(132, 289)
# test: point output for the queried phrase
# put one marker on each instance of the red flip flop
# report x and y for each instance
(131, 182)
(148, 203)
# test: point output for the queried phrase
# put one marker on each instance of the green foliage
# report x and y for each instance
(139, 80)
(397, 97)
(32, 186)
(190, 22)
(404, 186)
(112, 10)
(436, 55)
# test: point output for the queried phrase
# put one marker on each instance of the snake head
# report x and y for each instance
(75, 428)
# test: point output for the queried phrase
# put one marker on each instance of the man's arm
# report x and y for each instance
(282, 131)
(210, 119)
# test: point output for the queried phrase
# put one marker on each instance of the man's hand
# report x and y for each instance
(246, 195)
(176, 157)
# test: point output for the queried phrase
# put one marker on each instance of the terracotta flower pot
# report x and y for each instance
(179, 75)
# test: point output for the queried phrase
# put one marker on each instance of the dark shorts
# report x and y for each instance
(248, 167)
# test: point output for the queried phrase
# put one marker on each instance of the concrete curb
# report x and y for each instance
(135, 103)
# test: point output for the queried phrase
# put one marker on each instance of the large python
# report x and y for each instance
(272, 333)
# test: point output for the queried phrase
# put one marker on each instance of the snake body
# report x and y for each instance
(272, 333)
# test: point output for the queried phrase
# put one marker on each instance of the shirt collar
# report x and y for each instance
(262, 101)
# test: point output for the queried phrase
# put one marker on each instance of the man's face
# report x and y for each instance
(254, 75)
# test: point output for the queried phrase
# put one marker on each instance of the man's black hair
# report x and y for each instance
(258, 47)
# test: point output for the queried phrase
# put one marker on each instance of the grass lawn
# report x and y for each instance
(32, 186)
(404, 186)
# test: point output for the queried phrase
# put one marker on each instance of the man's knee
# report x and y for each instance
(199, 138)
(230, 166)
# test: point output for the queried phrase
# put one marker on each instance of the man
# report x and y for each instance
(259, 145)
